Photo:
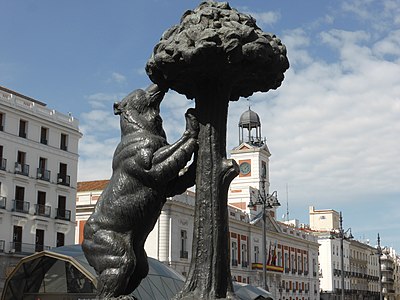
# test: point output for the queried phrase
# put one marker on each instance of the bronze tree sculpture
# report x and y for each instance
(215, 55)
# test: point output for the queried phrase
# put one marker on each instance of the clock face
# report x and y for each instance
(245, 168)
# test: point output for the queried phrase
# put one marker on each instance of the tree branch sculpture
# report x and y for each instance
(215, 55)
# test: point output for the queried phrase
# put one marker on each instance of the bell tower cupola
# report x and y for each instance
(250, 128)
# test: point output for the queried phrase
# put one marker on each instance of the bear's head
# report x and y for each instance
(140, 110)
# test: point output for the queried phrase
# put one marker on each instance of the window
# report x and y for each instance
(305, 264)
(184, 252)
(287, 261)
(19, 203)
(234, 254)
(39, 241)
(244, 255)
(23, 128)
(44, 135)
(2, 200)
(62, 213)
(279, 259)
(42, 172)
(3, 161)
(263, 169)
(64, 142)
(17, 239)
(1, 122)
(292, 263)
(62, 177)
(20, 166)
(60, 239)
(299, 264)
(256, 254)
(40, 208)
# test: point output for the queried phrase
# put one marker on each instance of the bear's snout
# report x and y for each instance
(117, 109)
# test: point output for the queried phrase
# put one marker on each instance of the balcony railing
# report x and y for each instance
(184, 254)
(43, 141)
(22, 169)
(245, 264)
(42, 210)
(3, 163)
(63, 214)
(43, 174)
(64, 147)
(3, 201)
(22, 134)
(2, 245)
(24, 248)
(305, 273)
(63, 179)
(21, 206)
(234, 262)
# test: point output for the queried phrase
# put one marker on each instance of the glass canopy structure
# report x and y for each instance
(64, 272)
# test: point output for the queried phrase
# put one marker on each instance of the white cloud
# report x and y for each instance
(117, 77)
(266, 18)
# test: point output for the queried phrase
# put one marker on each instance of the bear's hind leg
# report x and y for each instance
(112, 256)
(141, 268)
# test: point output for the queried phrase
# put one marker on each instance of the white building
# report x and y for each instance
(360, 268)
(292, 252)
(38, 176)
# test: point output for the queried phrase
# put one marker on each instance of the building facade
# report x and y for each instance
(291, 252)
(360, 272)
(38, 176)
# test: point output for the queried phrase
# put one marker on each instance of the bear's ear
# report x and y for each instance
(117, 108)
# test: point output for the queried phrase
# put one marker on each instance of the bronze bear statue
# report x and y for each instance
(146, 170)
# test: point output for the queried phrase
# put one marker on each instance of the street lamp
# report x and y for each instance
(342, 235)
(268, 202)
(379, 252)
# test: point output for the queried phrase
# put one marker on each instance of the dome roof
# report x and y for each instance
(249, 119)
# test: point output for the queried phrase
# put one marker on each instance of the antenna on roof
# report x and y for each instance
(287, 202)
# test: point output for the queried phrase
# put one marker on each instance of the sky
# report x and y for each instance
(333, 127)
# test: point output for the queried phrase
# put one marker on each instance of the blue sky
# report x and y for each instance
(332, 127)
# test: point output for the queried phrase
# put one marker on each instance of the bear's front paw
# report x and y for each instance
(192, 125)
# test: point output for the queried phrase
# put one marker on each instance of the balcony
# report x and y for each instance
(287, 270)
(184, 254)
(43, 174)
(64, 147)
(22, 134)
(22, 169)
(24, 248)
(63, 214)
(43, 141)
(42, 210)
(2, 245)
(234, 262)
(21, 206)
(3, 163)
(245, 264)
(305, 273)
(63, 179)
(3, 201)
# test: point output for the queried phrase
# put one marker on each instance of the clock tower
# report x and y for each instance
(252, 156)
